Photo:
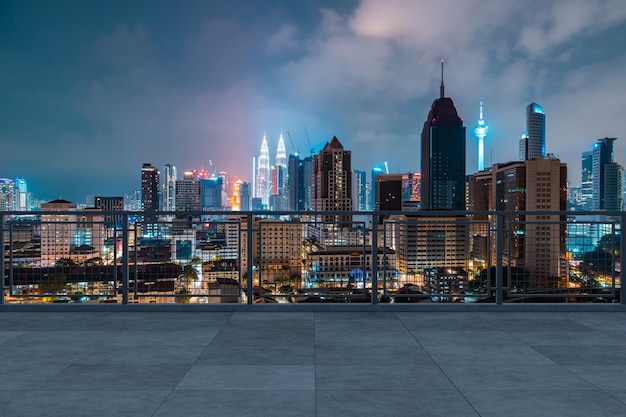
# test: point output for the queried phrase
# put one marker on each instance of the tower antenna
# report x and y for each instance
(441, 88)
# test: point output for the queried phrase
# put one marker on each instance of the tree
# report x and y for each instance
(187, 276)
(52, 285)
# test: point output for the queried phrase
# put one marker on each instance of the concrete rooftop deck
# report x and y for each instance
(354, 361)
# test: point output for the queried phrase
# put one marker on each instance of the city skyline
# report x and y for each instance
(154, 83)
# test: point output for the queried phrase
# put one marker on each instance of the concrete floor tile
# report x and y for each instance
(544, 403)
(583, 354)
(385, 377)
(558, 337)
(382, 403)
(398, 354)
(249, 403)
(83, 403)
(487, 355)
(515, 377)
(462, 338)
(249, 377)
(113, 378)
(273, 316)
(278, 354)
(604, 377)
(536, 324)
(23, 375)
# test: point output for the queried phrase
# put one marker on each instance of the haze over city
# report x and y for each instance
(91, 90)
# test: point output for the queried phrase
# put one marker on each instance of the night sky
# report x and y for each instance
(91, 90)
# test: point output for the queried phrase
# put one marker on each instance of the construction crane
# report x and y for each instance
(292, 144)
(309, 141)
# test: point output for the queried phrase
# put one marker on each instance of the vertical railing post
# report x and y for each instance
(125, 259)
(250, 257)
(499, 247)
(2, 257)
(622, 254)
(374, 259)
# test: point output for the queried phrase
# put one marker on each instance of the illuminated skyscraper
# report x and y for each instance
(169, 188)
(481, 132)
(376, 171)
(586, 185)
(262, 188)
(149, 188)
(22, 197)
(359, 190)
(281, 153)
(7, 194)
(332, 181)
(443, 156)
(606, 177)
(533, 142)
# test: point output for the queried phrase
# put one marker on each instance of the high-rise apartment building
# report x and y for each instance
(149, 188)
(533, 142)
(295, 188)
(332, 181)
(443, 156)
(169, 188)
(536, 241)
(606, 177)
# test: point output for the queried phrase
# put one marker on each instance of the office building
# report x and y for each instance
(376, 171)
(533, 142)
(586, 181)
(388, 192)
(359, 190)
(443, 156)
(110, 204)
(169, 187)
(606, 177)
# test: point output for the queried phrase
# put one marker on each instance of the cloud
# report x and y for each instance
(283, 40)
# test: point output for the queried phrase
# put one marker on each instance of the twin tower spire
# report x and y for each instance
(263, 172)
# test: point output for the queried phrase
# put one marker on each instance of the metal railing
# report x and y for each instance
(93, 256)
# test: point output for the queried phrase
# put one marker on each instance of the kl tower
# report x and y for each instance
(481, 131)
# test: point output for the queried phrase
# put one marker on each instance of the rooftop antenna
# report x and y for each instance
(441, 88)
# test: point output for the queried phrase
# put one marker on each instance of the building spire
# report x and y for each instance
(441, 88)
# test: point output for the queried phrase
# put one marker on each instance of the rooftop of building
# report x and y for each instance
(320, 360)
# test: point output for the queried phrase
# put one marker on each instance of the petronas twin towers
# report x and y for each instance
(270, 180)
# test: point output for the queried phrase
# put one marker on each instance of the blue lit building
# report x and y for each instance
(359, 190)
(533, 142)
(376, 171)
(606, 177)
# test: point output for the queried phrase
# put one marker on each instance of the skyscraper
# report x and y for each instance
(188, 193)
(481, 132)
(262, 186)
(169, 188)
(533, 143)
(244, 192)
(22, 197)
(376, 171)
(586, 180)
(359, 190)
(388, 192)
(606, 177)
(332, 181)
(295, 183)
(443, 156)
(149, 188)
